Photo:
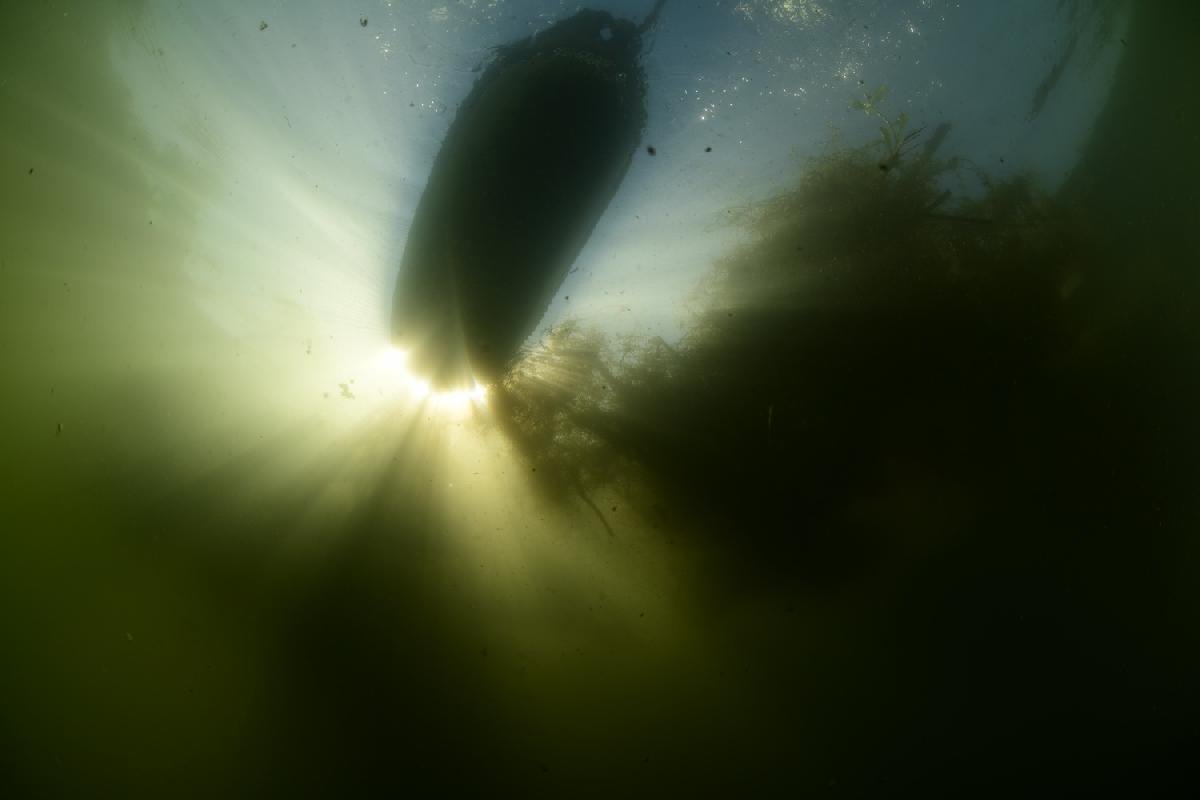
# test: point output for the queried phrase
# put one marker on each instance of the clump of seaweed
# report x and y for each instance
(895, 137)
(874, 330)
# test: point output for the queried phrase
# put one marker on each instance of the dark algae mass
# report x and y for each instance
(973, 415)
(908, 508)
(533, 158)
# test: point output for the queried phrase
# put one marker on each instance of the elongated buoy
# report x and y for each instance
(534, 155)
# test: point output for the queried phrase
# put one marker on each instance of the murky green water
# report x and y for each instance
(858, 455)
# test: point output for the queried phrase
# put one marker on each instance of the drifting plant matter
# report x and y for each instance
(873, 328)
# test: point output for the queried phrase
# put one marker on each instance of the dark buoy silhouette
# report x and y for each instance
(534, 155)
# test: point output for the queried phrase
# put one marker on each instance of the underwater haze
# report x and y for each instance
(855, 455)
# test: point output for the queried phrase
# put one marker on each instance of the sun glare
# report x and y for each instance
(393, 366)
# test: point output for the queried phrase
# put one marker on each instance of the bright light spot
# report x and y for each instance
(392, 365)
(418, 387)
(392, 359)
(460, 400)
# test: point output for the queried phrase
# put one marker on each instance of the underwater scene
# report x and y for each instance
(621, 398)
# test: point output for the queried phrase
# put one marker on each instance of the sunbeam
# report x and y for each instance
(779, 397)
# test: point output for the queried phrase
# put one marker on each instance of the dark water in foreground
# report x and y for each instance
(910, 507)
